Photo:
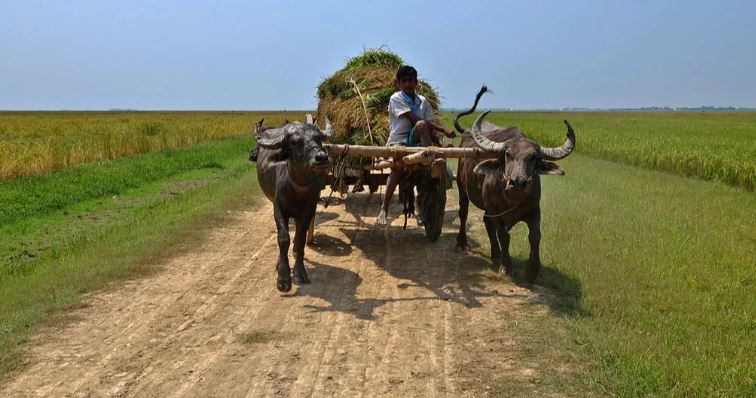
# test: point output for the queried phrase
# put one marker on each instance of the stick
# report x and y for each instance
(364, 108)
(398, 151)
(425, 158)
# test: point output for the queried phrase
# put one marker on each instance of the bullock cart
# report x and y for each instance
(424, 171)
(294, 166)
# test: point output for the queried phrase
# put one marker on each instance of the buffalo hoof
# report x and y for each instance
(382, 219)
(531, 272)
(505, 270)
(462, 247)
(283, 285)
(302, 279)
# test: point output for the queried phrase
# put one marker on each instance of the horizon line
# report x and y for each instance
(443, 109)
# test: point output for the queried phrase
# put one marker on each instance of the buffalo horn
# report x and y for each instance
(258, 127)
(273, 138)
(482, 141)
(562, 151)
(328, 128)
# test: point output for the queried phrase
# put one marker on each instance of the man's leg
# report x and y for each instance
(423, 134)
(391, 183)
(439, 140)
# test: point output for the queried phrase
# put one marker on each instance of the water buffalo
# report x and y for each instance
(292, 168)
(507, 188)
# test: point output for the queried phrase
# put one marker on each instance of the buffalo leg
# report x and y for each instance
(283, 283)
(311, 232)
(464, 205)
(534, 237)
(495, 249)
(506, 260)
(300, 275)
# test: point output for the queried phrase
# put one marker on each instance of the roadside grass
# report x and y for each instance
(654, 280)
(155, 205)
(38, 142)
(715, 146)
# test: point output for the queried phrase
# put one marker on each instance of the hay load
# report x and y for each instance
(356, 97)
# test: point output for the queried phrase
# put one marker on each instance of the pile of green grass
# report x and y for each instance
(38, 142)
(356, 97)
(70, 232)
(711, 146)
(375, 56)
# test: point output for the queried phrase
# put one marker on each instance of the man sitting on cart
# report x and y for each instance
(411, 123)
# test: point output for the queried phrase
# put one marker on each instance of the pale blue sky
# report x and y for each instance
(272, 54)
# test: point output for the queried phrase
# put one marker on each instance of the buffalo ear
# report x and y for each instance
(550, 168)
(490, 166)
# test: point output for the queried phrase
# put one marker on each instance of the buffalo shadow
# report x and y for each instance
(560, 291)
(411, 257)
(407, 254)
(326, 244)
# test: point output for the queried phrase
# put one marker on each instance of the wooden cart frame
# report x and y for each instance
(389, 157)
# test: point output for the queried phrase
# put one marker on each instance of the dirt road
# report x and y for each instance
(387, 314)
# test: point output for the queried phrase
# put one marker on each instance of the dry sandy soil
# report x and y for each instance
(387, 314)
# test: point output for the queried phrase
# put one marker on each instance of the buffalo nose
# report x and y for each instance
(322, 158)
(518, 182)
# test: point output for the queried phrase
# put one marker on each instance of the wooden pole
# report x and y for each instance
(399, 151)
(424, 158)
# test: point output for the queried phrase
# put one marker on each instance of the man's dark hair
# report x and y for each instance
(406, 71)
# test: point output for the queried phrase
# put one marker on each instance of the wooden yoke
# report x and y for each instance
(398, 151)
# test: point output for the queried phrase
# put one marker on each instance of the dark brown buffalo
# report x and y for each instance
(292, 168)
(507, 188)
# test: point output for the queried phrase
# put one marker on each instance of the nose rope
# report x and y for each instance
(505, 211)
(507, 178)
(506, 182)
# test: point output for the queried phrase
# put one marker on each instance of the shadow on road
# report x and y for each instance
(408, 256)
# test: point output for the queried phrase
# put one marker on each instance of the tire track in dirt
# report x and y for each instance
(387, 314)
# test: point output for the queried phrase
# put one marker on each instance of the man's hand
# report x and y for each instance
(449, 133)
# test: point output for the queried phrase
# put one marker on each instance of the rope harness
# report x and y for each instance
(338, 171)
(506, 182)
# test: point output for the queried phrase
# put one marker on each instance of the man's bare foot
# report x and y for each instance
(381, 218)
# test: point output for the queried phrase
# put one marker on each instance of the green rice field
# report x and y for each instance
(39, 142)
(710, 146)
